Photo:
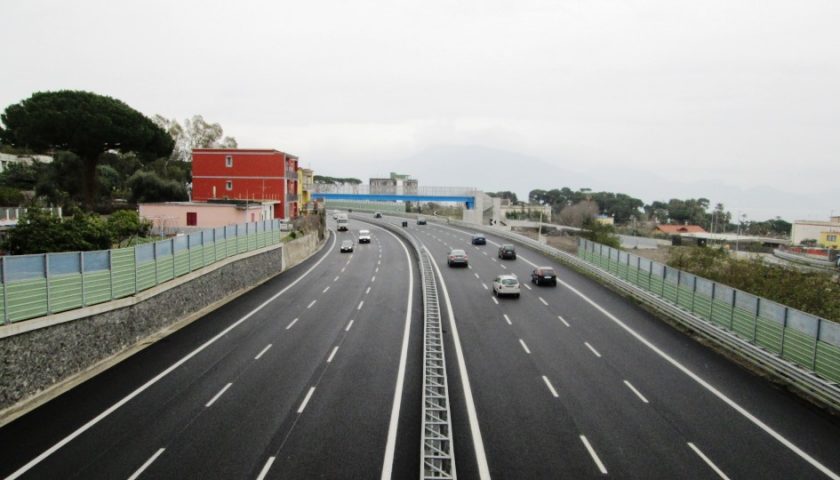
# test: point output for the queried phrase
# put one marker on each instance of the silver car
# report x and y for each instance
(506, 285)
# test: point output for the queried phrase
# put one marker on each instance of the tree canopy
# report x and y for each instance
(84, 123)
(194, 133)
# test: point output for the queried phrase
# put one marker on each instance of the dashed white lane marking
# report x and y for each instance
(311, 303)
(291, 324)
(507, 319)
(216, 397)
(594, 455)
(550, 386)
(373, 279)
(593, 349)
(476, 275)
(335, 279)
(360, 305)
(146, 465)
(349, 325)
(494, 259)
(638, 393)
(494, 300)
(543, 301)
(708, 461)
(343, 269)
(329, 360)
(469, 266)
(379, 262)
(367, 291)
(563, 320)
(265, 468)
(326, 289)
(525, 347)
(526, 286)
(485, 253)
(484, 285)
(263, 351)
(504, 267)
(377, 270)
(306, 400)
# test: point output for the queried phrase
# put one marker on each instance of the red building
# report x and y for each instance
(239, 174)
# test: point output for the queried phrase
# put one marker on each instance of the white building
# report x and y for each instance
(811, 229)
(6, 159)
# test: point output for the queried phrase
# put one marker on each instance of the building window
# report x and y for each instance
(831, 238)
(229, 161)
(192, 219)
(229, 185)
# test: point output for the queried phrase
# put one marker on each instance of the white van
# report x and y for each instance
(364, 236)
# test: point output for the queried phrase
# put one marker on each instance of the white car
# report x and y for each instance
(364, 236)
(506, 285)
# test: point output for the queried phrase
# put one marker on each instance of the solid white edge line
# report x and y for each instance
(391, 442)
(143, 467)
(638, 393)
(563, 320)
(594, 455)
(291, 324)
(262, 352)
(507, 319)
(708, 461)
(592, 349)
(349, 324)
(216, 397)
(265, 468)
(550, 387)
(162, 374)
(522, 342)
(478, 442)
(735, 406)
(306, 400)
(334, 351)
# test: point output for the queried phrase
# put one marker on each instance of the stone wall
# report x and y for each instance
(37, 362)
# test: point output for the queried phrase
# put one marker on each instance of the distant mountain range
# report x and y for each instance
(491, 170)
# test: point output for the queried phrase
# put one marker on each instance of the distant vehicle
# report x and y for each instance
(377, 215)
(347, 246)
(506, 285)
(364, 236)
(457, 257)
(507, 251)
(544, 276)
(421, 220)
(342, 222)
(404, 223)
(478, 239)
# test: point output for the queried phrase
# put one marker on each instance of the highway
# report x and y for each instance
(317, 374)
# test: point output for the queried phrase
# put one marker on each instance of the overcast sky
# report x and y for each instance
(657, 99)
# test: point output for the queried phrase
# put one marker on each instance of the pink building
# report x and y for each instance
(172, 217)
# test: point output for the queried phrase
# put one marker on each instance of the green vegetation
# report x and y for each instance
(811, 292)
(336, 180)
(600, 233)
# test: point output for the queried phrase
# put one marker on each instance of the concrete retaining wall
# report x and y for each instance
(40, 363)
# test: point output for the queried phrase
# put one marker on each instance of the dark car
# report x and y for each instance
(421, 221)
(507, 252)
(457, 257)
(478, 239)
(544, 276)
(346, 246)
(377, 215)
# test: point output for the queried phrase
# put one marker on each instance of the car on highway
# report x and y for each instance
(421, 220)
(479, 239)
(364, 236)
(347, 246)
(457, 258)
(506, 284)
(544, 276)
(377, 215)
(507, 252)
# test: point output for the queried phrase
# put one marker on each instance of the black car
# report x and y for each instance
(421, 221)
(478, 239)
(544, 276)
(377, 215)
(507, 251)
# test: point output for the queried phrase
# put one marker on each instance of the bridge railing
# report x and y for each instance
(43, 284)
(363, 189)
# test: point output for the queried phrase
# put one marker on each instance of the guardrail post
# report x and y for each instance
(816, 344)
(755, 320)
(732, 310)
(693, 293)
(136, 268)
(5, 294)
(82, 269)
(189, 252)
(172, 251)
(47, 277)
(784, 327)
(664, 277)
(155, 257)
(638, 269)
(679, 281)
(712, 304)
(111, 272)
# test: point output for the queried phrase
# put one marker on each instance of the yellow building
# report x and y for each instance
(306, 180)
(830, 239)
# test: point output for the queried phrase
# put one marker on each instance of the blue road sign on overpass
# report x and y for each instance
(386, 197)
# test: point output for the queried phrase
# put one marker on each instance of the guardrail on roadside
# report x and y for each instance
(437, 454)
(821, 350)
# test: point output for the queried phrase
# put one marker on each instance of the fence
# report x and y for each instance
(806, 340)
(38, 285)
